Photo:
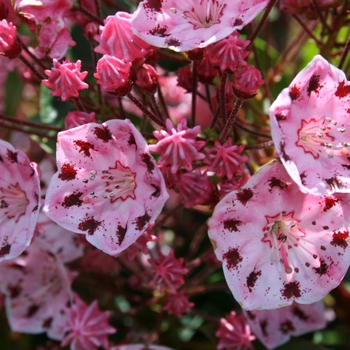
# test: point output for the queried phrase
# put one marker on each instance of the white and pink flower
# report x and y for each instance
(185, 25)
(275, 327)
(310, 126)
(107, 185)
(279, 245)
(19, 201)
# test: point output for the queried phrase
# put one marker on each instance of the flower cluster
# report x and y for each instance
(165, 185)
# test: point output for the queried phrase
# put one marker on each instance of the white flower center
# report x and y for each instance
(204, 13)
(283, 233)
(315, 138)
(13, 202)
(114, 183)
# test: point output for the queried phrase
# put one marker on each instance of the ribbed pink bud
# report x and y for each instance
(9, 46)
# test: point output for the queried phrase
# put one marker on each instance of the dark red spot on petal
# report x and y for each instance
(103, 133)
(146, 158)
(90, 225)
(340, 239)
(156, 193)
(12, 156)
(84, 147)
(291, 289)
(131, 140)
(233, 258)
(322, 269)
(159, 31)
(251, 315)
(172, 42)
(5, 250)
(300, 314)
(141, 221)
(153, 5)
(263, 326)
(68, 172)
(314, 84)
(14, 291)
(245, 195)
(274, 182)
(1, 160)
(232, 224)
(287, 327)
(342, 90)
(252, 278)
(121, 232)
(280, 117)
(329, 202)
(32, 310)
(47, 323)
(334, 183)
(72, 199)
(237, 22)
(284, 155)
(294, 93)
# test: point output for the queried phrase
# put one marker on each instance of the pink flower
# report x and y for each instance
(234, 333)
(186, 25)
(177, 303)
(48, 18)
(310, 127)
(229, 53)
(37, 288)
(19, 201)
(117, 40)
(113, 75)
(147, 79)
(195, 188)
(275, 327)
(107, 185)
(167, 272)
(9, 46)
(62, 243)
(279, 245)
(65, 79)
(77, 118)
(87, 327)
(225, 159)
(178, 147)
(247, 80)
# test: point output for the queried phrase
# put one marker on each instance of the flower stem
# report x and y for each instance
(146, 112)
(231, 119)
(194, 92)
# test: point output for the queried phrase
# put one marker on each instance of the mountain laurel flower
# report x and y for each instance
(9, 46)
(178, 147)
(295, 246)
(195, 188)
(113, 75)
(65, 79)
(310, 127)
(37, 289)
(19, 201)
(275, 327)
(116, 39)
(186, 25)
(87, 327)
(147, 79)
(107, 185)
(177, 303)
(226, 159)
(234, 333)
(167, 272)
(77, 118)
(229, 53)
(247, 80)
